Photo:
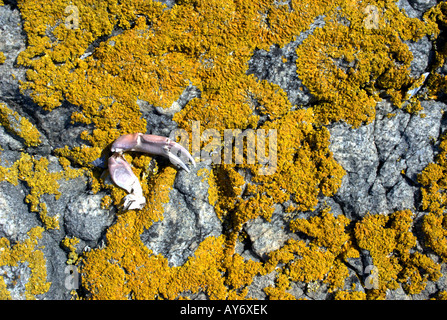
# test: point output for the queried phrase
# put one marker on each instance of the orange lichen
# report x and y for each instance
(152, 56)
(34, 172)
(127, 268)
(19, 125)
(434, 199)
(389, 240)
(28, 252)
(320, 260)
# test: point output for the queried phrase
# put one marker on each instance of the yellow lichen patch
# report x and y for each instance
(320, 260)
(34, 172)
(305, 166)
(152, 56)
(26, 252)
(83, 155)
(212, 189)
(389, 240)
(19, 125)
(2, 57)
(434, 199)
(355, 295)
(148, 276)
(437, 16)
(346, 62)
(302, 263)
(70, 244)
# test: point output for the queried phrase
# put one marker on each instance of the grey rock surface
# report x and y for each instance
(188, 219)
(12, 41)
(270, 66)
(15, 220)
(382, 160)
(268, 236)
(422, 5)
(85, 219)
(416, 8)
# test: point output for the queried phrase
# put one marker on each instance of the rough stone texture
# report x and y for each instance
(15, 216)
(188, 219)
(85, 219)
(270, 66)
(268, 236)
(381, 159)
(12, 41)
(415, 8)
(15, 220)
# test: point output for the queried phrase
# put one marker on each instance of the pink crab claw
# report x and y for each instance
(123, 176)
(152, 144)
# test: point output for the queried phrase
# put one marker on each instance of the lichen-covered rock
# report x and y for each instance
(383, 159)
(188, 219)
(354, 207)
(278, 66)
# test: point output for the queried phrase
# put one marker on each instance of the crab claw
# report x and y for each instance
(123, 176)
(156, 145)
(125, 143)
(134, 202)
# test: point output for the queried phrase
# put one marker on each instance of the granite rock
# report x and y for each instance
(188, 218)
(382, 160)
